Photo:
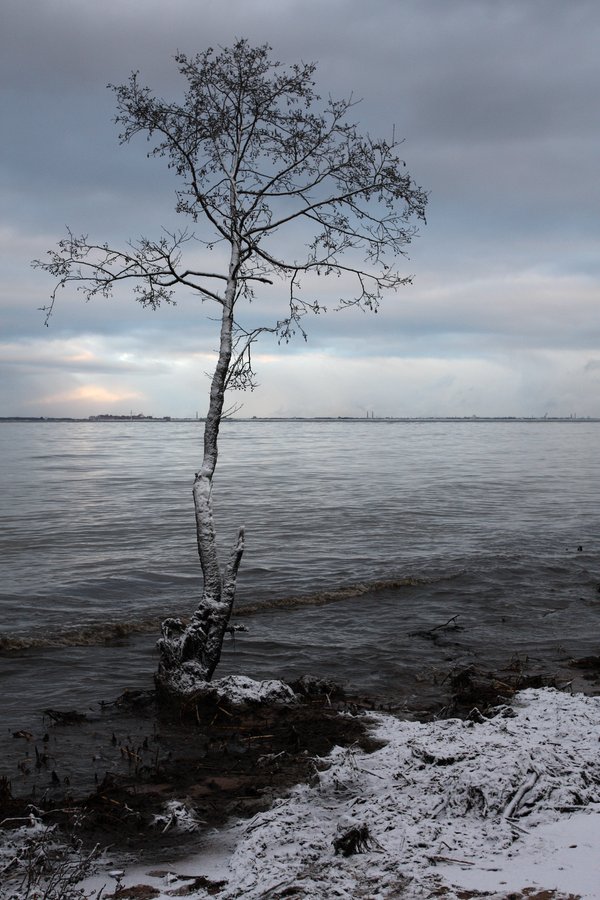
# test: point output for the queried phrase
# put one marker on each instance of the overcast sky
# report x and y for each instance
(498, 102)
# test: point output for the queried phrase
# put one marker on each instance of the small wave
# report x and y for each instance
(110, 632)
(348, 592)
(86, 636)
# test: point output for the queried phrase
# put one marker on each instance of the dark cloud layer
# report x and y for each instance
(498, 103)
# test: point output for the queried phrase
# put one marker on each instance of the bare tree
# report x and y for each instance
(257, 152)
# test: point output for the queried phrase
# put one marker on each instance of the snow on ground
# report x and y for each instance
(494, 806)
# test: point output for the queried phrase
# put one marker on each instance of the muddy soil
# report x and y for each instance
(110, 775)
(218, 760)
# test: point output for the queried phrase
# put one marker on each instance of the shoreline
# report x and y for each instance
(504, 802)
(245, 763)
(84, 745)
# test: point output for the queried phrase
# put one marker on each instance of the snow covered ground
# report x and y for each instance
(442, 809)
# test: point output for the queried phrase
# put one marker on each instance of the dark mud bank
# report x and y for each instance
(117, 775)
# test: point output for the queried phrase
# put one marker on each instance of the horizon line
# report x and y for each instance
(109, 417)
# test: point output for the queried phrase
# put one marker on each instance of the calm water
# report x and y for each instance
(479, 520)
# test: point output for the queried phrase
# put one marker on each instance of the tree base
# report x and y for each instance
(187, 685)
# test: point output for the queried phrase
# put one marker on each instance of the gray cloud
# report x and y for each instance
(499, 107)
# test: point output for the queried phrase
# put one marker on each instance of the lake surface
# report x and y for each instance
(378, 529)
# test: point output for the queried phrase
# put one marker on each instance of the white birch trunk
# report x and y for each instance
(189, 654)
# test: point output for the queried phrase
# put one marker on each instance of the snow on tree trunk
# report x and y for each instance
(189, 654)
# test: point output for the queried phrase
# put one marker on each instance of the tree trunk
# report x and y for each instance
(189, 654)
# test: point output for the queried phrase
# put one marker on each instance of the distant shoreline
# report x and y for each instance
(94, 420)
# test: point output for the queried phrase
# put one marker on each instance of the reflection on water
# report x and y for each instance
(479, 520)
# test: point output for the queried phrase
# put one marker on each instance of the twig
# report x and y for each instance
(437, 627)
(450, 859)
(368, 771)
(431, 631)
